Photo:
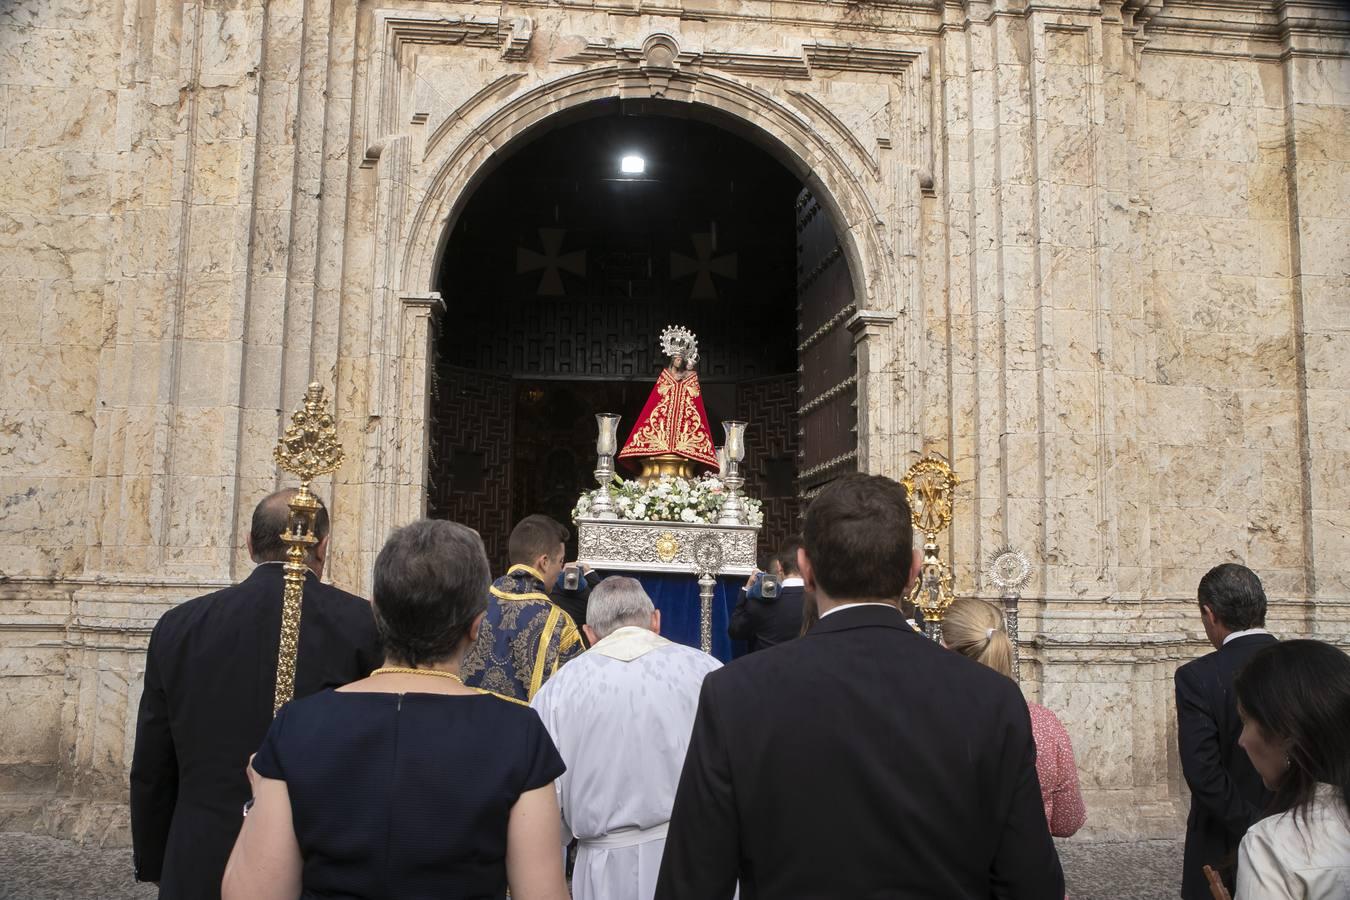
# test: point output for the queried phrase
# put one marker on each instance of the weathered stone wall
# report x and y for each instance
(59, 241)
(1099, 251)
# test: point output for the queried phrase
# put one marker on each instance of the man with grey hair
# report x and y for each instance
(621, 715)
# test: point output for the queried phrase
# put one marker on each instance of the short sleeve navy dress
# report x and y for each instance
(405, 795)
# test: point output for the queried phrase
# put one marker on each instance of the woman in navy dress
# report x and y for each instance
(407, 784)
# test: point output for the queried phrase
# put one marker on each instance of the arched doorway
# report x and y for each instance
(560, 270)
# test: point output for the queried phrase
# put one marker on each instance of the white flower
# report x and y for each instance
(687, 515)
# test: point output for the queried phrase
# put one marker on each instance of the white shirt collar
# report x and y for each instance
(792, 582)
(279, 562)
(628, 643)
(1237, 634)
(830, 612)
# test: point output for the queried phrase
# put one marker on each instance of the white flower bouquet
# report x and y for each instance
(670, 499)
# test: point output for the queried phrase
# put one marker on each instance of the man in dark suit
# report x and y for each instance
(574, 600)
(768, 621)
(1226, 792)
(861, 761)
(210, 678)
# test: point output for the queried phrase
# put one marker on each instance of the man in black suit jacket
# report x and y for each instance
(210, 679)
(573, 601)
(861, 761)
(1226, 793)
(769, 621)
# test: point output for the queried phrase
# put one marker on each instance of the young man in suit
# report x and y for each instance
(816, 769)
(210, 681)
(769, 621)
(1226, 792)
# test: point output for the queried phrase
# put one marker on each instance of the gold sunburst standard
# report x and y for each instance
(308, 449)
(931, 484)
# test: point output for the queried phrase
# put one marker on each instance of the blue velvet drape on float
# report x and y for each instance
(676, 596)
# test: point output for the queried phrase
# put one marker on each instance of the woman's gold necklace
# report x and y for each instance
(403, 670)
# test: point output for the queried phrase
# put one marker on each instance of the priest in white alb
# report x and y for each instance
(621, 715)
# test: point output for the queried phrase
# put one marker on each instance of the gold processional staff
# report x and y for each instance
(931, 484)
(308, 449)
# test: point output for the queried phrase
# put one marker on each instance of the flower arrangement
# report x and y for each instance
(670, 499)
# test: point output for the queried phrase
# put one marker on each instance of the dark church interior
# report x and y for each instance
(558, 276)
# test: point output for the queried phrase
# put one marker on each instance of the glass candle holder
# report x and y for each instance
(607, 442)
(735, 445)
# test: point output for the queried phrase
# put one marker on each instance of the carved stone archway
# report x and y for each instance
(871, 195)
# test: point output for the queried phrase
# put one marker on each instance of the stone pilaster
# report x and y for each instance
(1315, 79)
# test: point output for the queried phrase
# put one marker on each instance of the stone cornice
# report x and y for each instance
(1260, 29)
(429, 300)
(1270, 30)
(111, 581)
(882, 17)
(396, 28)
(814, 56)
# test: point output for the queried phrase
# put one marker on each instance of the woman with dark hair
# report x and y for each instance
(407, 783)
(1294, 700)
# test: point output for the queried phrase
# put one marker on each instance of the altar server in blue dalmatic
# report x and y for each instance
(525, 636)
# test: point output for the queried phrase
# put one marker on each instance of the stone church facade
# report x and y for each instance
(1098, 251)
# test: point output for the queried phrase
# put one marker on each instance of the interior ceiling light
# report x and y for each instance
(632, 165)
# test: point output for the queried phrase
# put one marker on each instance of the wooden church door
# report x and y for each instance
(828, 388)
(469, 466)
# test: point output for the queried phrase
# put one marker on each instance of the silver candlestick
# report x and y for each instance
(733, 510)
(1010, 570)
(606, 445)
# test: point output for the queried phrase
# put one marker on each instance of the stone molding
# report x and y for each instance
(1275, 29)
(871, 189)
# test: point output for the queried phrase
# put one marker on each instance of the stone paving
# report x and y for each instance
(42, 868)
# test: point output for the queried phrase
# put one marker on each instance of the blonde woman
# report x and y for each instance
(975, 629)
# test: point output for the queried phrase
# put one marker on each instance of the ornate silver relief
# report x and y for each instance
(623, 546)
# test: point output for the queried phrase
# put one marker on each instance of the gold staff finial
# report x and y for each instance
(931, 484)
(308, 449)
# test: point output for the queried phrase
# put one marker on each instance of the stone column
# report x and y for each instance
(881, 445)
(1315, 82)
(421, 316)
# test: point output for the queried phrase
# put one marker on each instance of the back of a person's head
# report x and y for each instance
(1298, 693)
(974, 628)
(431, 579)
(270, 519)
(1235, 595)
(858, 537)
(616, 602)
(787, 556)
(535, 536)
